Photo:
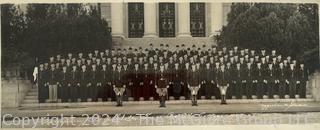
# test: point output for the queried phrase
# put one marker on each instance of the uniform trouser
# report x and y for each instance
(282, 89)
(202, 90)
(53, 91)
(249, 90)
(230, 92)
(243, 89)
(194, 92)
(162, 95)
(292, 89)
(260, 87)
(186, 91)
(270, 87)
(216, 91)
(302, 89)
(42, 93)
(63, 93)
(238, 90)
(223, 91)
(74, 93)
(84, 92)
(119, 94)
(208, 90)
(176, 90)
(254, 89)
(94, 92)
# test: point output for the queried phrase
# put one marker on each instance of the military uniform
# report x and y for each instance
(223, 84)
(162, 86)
(194, 84)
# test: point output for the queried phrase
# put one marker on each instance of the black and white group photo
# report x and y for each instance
(101, 61)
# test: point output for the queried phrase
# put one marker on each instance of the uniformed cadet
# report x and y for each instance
(119, 86)
(176, 81)
(53, 84)
(95, 83)
(64, 86)
(238, 81)
(208, 82)
(105, 82)
(222, 83)
(75, 84)
(259, 79)
(162, 86)
(302, 81)
(281, 80)
(84, 84)
(270, 72)
(194, 84)
(292, 81)
(249, 79)
(42, 84)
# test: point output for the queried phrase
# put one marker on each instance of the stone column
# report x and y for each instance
(117, 19)
(216, 18)
(184, 19)
(150, 19)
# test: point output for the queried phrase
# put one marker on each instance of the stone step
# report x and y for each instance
(30, 103)
(32, 94)
(31, 97)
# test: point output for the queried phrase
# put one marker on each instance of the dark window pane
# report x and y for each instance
(167, 19)
(135, 20)
(197, 19)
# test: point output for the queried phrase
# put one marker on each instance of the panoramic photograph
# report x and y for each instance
(155, 63)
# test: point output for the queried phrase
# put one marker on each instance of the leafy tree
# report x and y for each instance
(12, 29)
(292, 29)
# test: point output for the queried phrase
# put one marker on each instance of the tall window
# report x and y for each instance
(197, 19)
(166, 20)
(135, 20)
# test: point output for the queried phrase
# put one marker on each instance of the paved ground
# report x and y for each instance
(216, 108)
(152, 115)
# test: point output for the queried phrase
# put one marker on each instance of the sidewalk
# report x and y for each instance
(132, 109)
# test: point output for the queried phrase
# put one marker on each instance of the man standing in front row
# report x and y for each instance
(118, 85)
(223, 83)
(193, 84)
(162, 86)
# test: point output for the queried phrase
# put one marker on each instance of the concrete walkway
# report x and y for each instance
(133, 109)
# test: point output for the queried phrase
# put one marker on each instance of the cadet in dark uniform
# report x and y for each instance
(281, 80)
(119, 86)
(302, 81)
(162, 86)
(43, 89)
(95, 84)
(64, 87)
(105, 82)
(249, 79)
(75, 84)
(176, 81)
(259, 78)
(292, 81)
(238, 81)
(194, 84)
(270, 80)
(208, 82)
(84, 84)
(222, 83)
